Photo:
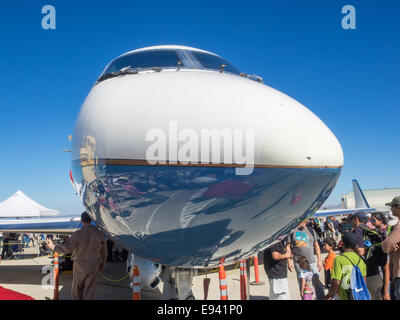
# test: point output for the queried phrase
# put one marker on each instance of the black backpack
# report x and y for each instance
(373, 247)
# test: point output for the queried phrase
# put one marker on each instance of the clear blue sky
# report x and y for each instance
(349, 78)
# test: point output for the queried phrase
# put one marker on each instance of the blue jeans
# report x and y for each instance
(319, 290)
(396, 285)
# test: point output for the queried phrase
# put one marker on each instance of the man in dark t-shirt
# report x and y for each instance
(276, 266)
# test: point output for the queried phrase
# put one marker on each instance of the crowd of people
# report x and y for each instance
(15, 242)
(369, 241)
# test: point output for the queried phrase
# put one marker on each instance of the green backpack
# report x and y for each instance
(373, 247)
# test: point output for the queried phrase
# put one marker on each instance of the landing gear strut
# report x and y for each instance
(178, 284)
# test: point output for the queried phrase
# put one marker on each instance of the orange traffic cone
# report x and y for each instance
(136, 283)
(223, 285)
(56, 275)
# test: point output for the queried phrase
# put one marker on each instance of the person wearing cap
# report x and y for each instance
(342, 267)
(391, 244)
(89, 247)
(358, 220)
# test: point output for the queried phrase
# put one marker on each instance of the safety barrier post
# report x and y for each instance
(223, 285)
(256, 273)
(56, 274)
(243, 285)
(136, 283)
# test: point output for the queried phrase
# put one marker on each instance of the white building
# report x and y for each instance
(375, 197)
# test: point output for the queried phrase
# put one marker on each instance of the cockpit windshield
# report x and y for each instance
(209, 61)
(169, 59)
(146, 60)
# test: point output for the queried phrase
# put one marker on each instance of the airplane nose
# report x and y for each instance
(192, 213)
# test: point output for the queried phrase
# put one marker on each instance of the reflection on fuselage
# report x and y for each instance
(189, 216)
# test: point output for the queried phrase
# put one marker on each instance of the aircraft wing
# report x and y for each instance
(339, 212)
(65, 225)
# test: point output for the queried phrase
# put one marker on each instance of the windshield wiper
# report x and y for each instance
(123, 71)
(126, 70)
(252, 77)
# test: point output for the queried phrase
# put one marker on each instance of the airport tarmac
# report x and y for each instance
(25, 275)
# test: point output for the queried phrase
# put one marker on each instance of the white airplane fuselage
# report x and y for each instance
(150, 176)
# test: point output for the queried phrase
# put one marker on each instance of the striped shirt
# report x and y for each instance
(387, 247)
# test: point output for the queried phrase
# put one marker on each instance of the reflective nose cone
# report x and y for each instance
(192, 214)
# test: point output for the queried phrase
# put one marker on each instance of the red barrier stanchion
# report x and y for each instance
(223, 285)
(56, 275)
(257, 281)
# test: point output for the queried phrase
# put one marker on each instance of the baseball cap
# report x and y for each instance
(360, 215)
(395, 202)
(350, 239)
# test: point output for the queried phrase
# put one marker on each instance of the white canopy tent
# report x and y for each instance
(21, 206)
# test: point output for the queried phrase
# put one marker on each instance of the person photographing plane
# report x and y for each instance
(90, 249)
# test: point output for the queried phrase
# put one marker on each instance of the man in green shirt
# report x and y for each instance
(342, 267)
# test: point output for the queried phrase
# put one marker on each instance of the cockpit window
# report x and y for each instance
(168, 59)
(210, 61)
(146, 60)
